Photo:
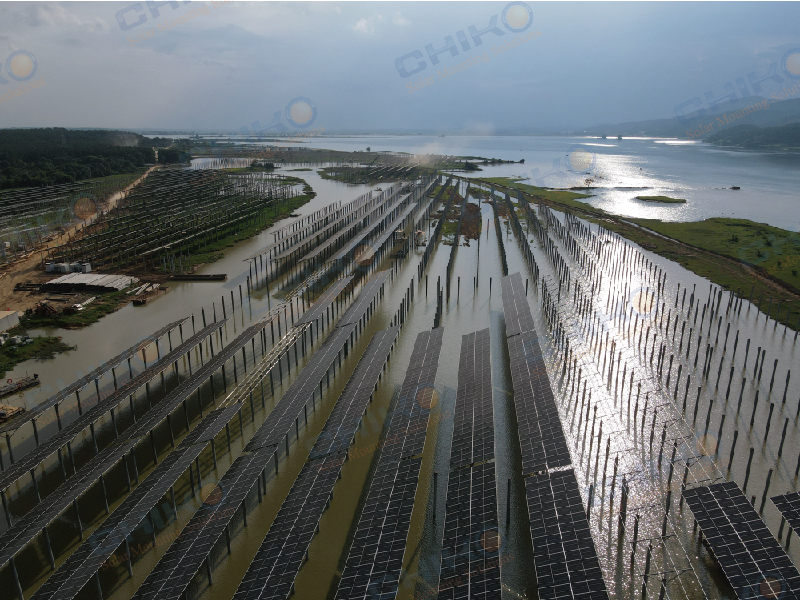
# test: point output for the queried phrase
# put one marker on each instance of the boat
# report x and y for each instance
(22, 383)
(735, 187)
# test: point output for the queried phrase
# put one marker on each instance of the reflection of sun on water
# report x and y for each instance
(643, 302)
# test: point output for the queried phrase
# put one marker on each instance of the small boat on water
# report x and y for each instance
(735, 187)
(23, 383)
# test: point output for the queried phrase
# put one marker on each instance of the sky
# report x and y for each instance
(374, 67)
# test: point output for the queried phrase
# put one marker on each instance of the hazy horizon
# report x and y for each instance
(369, 67)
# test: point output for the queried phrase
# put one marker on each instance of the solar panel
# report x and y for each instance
(470, 548)
(368, 293)
(294, 526)
(515, 305)
(82, 564)
(81, 383)
(383, 210)
(185, 556)
(50, 446)
(563, 548)
(789, 505)
(279, 422)
(542, 440)
(375, 559)
(324, 301)
(750, 556)
(27, 528)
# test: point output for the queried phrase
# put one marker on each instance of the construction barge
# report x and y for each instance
(212, 277)
(12, 388)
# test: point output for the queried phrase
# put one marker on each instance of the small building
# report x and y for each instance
(8, 319)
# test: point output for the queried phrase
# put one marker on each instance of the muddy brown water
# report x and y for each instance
(689, 569)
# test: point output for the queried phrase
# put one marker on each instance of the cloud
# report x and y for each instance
(367, 25)
(52, 15)
(400, 20)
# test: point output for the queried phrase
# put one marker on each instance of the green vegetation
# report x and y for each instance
(214, 250)
(664, 199)
(42, 348)
(39, 157)
(735, 254)
(784, 137)
(103, 305)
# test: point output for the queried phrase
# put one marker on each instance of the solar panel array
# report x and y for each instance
(374, 207)
(81, 383)
(789, 505)
(390, 229)
(27, 528)
(385, 211)
(515, 305)
(551, 488)
(470, 549)
(188, 386)
(563, 548)
(358, 308)
(185, 556)
(24, 531)
(324, 301)
(68, 433)
(72, 575)
(753, 560)
(373, 565)
(274, 568)
(350, 212)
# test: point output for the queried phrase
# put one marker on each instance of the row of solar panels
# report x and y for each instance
(33, 458)
(183, 559)
(81, 383)
(564, 552)
(374, 562)
(470, 566)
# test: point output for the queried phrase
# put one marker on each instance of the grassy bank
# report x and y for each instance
(42, 348)
(662, 199)
(215, 250)
(736, 254)
(103, 305)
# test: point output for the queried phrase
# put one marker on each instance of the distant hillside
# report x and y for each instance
(744, 111)
(785, 137)
(36, 157)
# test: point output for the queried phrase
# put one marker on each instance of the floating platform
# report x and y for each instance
(8, 412)
(21, 384)
(214, 277)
